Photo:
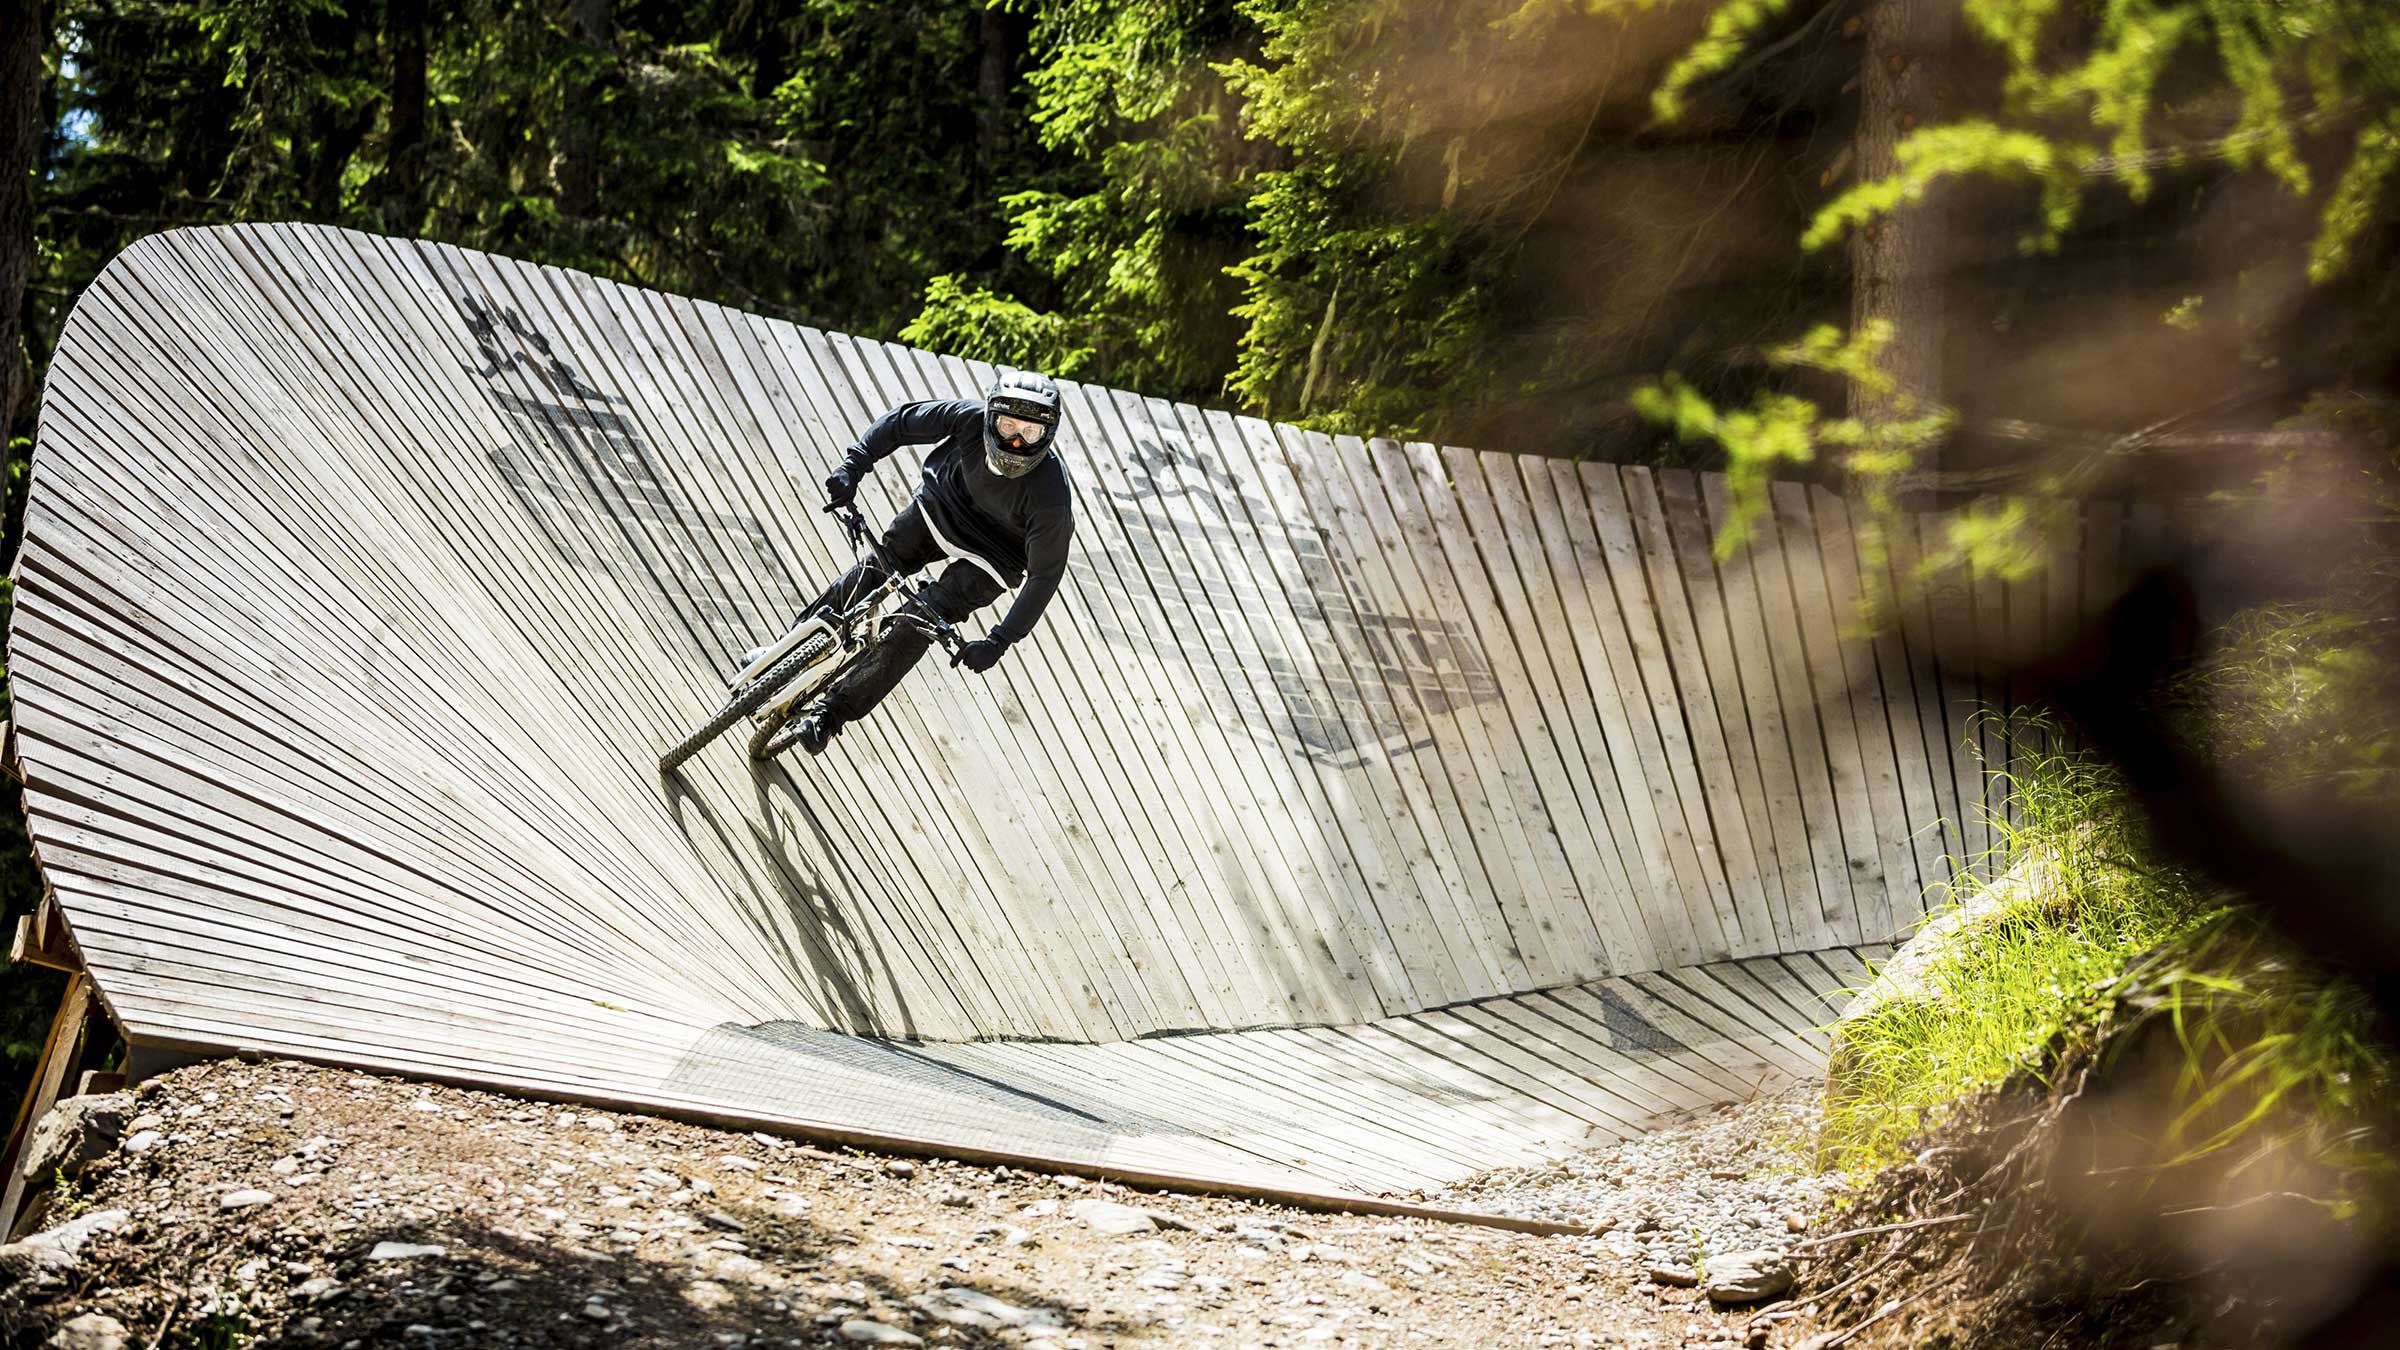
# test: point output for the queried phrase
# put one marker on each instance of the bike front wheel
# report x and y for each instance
(751, 697)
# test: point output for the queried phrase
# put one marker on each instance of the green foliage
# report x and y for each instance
(1956, 151)
(2275, 1057)
(1132, 225)
(1781, 429)
(2038, 970)
(2301, 692)
(2107, 95)
(981, 326)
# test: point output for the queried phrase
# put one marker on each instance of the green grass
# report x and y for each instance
(2282, 1080)
(2034, 973)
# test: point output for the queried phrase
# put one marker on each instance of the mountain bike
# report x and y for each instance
(817, 651)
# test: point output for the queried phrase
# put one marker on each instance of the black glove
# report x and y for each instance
(980, 655)
(840, 489)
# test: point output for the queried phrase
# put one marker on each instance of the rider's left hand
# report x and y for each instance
(980, 655)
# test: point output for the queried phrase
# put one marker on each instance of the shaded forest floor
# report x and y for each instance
(281, 1204)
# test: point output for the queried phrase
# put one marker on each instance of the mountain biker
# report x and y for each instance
(994, 500)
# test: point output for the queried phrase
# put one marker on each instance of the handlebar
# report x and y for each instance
(916, 614)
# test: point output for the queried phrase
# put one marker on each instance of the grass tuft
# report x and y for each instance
(2077, 903)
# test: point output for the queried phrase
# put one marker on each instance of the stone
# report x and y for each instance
(964, 1307)
(1747, 1277)
(74, 1134)
(317, 1289)
(717, 1218)
(1167, 1277)
(1674, 1277)
(245, 1199)
(92, 1331)
(142, 1141)
(707, 1295)
(953, 1197)
(900, 1168)
(55, 1251)
(867, 1332)
(1111, 1218)
(403, 1251)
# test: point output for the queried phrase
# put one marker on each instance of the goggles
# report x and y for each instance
(1019, 432)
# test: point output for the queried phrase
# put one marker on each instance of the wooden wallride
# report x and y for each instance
(1462, 796)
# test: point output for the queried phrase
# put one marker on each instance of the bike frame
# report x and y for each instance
(860, 626)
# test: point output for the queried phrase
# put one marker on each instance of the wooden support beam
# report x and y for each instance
(68, 1032)
(41, 938)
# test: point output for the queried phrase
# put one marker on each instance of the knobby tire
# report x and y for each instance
(749, 698)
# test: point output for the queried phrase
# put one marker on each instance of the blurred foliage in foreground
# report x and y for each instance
(2282, 1071)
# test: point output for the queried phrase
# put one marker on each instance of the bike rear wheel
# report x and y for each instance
(751, 697)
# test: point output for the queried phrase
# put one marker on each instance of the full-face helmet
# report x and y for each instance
(1020, 421)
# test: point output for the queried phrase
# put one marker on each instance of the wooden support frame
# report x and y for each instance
(70, 1032)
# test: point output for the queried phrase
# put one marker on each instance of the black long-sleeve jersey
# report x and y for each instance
(1021, 526)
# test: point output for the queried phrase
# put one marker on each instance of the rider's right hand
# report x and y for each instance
(840, 490)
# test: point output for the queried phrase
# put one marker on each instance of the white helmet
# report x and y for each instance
(1020, 420)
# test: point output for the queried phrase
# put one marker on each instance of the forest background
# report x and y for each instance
(1935, 247)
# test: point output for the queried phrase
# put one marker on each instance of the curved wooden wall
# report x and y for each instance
(363, 579)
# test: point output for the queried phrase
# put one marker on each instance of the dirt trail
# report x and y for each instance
(304, 1206)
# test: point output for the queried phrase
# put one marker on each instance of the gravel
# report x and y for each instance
(1729, 1179)
(420, 1215)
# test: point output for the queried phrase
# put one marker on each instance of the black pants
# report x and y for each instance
(960, 590)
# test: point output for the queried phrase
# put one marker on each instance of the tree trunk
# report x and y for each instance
(404, 154)
(21, 36)
(579, 158)
(1002, 41)
(1899, 264)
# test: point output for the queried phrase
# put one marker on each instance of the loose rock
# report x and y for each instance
(1107, 1216)
(74, 1134)
(1747, 1277)
(92, 1331)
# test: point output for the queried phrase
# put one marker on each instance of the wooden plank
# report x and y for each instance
(1768, 802)
(1722, 799)
(1707, 898)
(1380, 480)
(1941, 833)
(1545, 913)
(1590, 922)
(1258, 620)
(1893, 759)
(60, 1050)
(1799, 803)
(1418, 903)
(1438, 785)
(1260, 800)
(1628, 719)
(1493, 492)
